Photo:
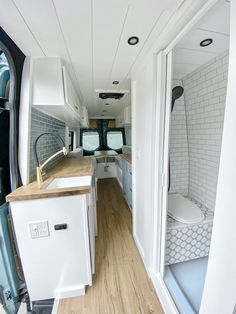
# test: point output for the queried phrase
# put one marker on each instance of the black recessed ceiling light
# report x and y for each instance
(115, 82)
(107, 104)
(104, 111)
(206, 42)
(133, 40)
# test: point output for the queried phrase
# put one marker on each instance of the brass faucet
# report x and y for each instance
(39, 169)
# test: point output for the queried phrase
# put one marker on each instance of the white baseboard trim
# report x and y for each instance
(69, 292)
(120, 183)
(139, 247)
(162, 292)
(160, 287)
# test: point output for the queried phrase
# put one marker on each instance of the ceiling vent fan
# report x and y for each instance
(109, 95)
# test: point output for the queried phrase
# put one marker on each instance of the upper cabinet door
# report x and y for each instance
(124, 118)
(53, 92)
(47, 82)
(71, 97)
(127, 115)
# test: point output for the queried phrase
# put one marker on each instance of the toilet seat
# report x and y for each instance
(183, 210)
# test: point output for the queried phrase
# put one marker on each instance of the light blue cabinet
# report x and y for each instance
(127, 181)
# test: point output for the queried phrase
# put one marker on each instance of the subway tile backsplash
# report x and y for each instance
(47, 145)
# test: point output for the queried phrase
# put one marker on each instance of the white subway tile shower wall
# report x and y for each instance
(179, 164)
(47, 145)
(205, 95)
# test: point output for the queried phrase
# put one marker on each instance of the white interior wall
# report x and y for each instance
(141, 149)
(128, 135)
(219, 294)
(143, 104)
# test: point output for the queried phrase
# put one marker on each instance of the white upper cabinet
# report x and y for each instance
(85, 120)
(127, 115)
(124, 118)
(71, 97)
(53, 91)
(47, 82)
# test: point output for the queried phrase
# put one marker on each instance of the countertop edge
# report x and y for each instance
(49, 194)
(127, 157)
(84, 167)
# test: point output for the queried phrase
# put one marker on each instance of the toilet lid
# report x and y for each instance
(183, 210)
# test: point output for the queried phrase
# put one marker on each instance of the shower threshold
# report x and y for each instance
(185, 282)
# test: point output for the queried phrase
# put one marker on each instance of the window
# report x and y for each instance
(115, 139)
(4, 77)
(90, 140)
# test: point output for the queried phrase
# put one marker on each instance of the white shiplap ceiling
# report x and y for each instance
(189, 55)
(90, 36)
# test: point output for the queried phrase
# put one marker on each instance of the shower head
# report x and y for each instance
(177, 92)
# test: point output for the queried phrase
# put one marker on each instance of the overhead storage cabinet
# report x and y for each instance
(124, 118)
(53, 91)
(85, 120)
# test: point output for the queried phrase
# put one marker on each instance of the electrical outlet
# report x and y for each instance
(39, 229)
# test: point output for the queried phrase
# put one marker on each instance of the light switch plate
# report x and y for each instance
(38, 229)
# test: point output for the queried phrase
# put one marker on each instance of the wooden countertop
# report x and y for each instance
(69, 167)
(105, 153)
(127, 157)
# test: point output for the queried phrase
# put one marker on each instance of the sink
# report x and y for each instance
(60, 183)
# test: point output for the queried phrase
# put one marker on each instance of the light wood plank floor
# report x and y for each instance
(120, 285)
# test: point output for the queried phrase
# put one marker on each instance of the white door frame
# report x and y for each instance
(161, 124)
(160, 158)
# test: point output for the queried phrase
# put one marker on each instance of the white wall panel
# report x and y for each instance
(213, 21)
(143, 19)
(220, 285)
(107, 28)
(14, 25)
(76, 22)
(193, 39)
(141, 144)
(41, 17)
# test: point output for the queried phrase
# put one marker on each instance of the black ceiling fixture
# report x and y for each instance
(104, 111)
(133, 40)
(111, 95)
(115, 82)
(206, 42)
(107, 104)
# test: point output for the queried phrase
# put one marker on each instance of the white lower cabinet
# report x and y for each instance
(92, 224)
(56, 241)
(127, 181)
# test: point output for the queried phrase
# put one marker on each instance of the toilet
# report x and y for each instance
(183, 210)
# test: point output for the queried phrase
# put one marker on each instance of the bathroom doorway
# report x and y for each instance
(195, 94)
